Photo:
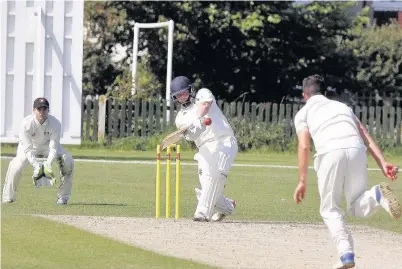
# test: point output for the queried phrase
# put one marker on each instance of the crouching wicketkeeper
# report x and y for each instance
(40, 135)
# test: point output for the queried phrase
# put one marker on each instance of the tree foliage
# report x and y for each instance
(378, 51)
(251, 50)
(99, 71)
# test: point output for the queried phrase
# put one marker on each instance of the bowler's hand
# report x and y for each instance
(389, 170)
(300, 192)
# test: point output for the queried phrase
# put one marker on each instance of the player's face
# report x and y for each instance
(41, 113)
(305, 97)
(183, 97)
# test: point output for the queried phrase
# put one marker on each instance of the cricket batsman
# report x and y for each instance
(340, 161)
(217, 145)
(40, 135)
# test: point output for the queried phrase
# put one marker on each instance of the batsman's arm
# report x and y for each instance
(203, 108)
(25, 137)
(204, 99)
(194, 130)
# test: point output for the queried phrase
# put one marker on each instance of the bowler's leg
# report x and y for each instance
(331, 169)
(363, 203)
(360, 203)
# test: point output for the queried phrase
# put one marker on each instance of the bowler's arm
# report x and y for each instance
(303, 145)
(371, 145)
(303, 154)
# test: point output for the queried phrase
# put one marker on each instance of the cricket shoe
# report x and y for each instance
(347, 261)
(217, 217)
(200, 217)
(61, 201)
(7, 201)
(389, 201)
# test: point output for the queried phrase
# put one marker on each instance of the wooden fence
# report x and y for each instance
(121, 118)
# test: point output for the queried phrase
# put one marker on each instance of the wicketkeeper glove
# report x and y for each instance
(47, 170)
(38, 173)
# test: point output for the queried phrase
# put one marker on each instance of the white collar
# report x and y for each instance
(38, 123)
(316, 97)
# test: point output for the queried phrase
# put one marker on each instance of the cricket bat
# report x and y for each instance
(172, 138)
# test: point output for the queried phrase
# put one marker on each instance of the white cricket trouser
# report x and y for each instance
(18, 163)
(344, 171)
(214, 162)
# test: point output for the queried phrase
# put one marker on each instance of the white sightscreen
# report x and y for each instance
(41, 55)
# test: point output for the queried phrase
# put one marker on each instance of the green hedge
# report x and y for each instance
(262, 136)
(251, 136)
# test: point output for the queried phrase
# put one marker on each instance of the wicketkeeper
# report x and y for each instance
(341, 142)
(216, 143)
(40, 136)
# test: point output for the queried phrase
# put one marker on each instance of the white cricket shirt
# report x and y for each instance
(219, 127)
(331, 124)
(35, 136)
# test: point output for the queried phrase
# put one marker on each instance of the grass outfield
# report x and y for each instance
(129, 190)
(33, 242)
(285, 158)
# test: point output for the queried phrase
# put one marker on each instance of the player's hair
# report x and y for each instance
(313, 85)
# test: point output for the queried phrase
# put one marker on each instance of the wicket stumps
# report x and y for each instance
(168, 182)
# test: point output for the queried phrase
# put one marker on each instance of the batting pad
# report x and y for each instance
(66, 164)
(212, 190)
(223, 204)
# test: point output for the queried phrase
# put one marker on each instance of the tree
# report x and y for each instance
(99, 72)
(256, 50)
(378, 50)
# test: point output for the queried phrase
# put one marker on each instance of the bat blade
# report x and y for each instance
(172, 138)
